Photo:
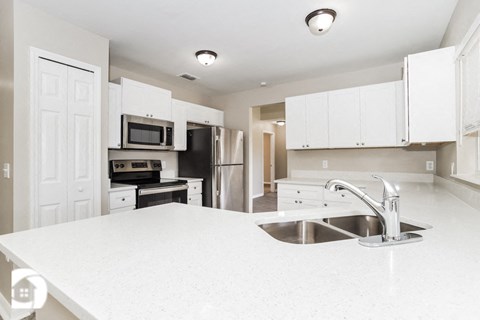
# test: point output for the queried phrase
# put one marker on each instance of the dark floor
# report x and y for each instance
(266, 203)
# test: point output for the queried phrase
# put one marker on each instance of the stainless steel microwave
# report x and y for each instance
(146, 133)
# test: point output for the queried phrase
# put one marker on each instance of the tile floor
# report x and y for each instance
(267, 203)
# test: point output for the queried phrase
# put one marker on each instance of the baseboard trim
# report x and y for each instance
(466, 193)
(8, 314)
(257, 195)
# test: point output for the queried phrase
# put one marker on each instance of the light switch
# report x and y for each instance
(6, 170)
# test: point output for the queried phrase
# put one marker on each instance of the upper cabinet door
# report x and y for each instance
(140, 99)
(179, 117)
(295, 113)
(204, 115)
(114, 115)
(317, 121)
(378, 115)
(344, 116)
(431, 96)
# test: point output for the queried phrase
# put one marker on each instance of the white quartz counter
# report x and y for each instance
(182, 262)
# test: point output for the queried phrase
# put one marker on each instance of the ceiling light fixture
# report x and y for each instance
(319, 21)
(206, 57)
(281, 123)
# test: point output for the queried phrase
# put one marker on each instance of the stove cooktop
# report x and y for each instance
(154, 183)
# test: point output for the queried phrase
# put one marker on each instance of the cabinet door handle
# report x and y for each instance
(194, 188)
(358, 144)
(300, 201)
(296, 201)
(123, 199)
(325, 205)
(298, 191)
(308, 146)
(303, 146)
(343, 196)
(363, 143)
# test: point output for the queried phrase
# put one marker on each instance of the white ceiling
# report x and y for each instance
(257, 40)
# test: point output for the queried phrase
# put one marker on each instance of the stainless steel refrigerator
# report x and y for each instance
(216, 155)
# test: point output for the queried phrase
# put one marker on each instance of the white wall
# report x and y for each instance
(184, 91)
(258, 127)
(33, 27)
(6, 133)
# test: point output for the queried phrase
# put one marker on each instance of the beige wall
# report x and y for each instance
(33, 27)
(6, 133)
(280, 153)
(462, 18)
(184, 91)
(381, 160)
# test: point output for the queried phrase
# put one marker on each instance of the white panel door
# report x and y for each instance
(295, 113)
(114, 115)
(344, 118)
(317, 121)
(81, 133)
(179, 117)
(378, 115)
(51, 145)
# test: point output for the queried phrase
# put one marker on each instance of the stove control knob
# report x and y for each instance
(122, 166)
(116, 166)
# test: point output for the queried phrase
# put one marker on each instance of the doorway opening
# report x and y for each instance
(267, 155)
(268, 162)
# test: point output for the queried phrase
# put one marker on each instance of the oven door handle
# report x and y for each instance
(144, 192)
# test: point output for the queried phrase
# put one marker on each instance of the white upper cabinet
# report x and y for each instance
(430, 84)
(204, 115)
(295, 114)
(370, 116)
(114, 115)
(307, 124)
(378, 111)
(143, 100)
(344, 118)
(179, 117)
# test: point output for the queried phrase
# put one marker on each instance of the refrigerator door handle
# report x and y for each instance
(218, 159)
(219, 184)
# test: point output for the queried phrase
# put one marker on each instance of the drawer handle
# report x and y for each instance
(298, 191)
(299, 201)
(325, 205)
(343, 196)
(296, 201)
(194, 188)
(189, 199)
(123, 199)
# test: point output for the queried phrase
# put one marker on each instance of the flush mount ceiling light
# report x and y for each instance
(281, 123)
(206, 57)
(319, 21)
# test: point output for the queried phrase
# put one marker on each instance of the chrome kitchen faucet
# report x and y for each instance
(388, 212)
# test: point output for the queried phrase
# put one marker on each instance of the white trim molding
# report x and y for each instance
(469, 195)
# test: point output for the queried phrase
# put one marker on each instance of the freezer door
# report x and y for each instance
(228, 188)
(228, 146)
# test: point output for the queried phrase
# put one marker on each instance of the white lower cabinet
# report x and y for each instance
(301, 196)
(194, 196)
(121, 200)
(293, 196)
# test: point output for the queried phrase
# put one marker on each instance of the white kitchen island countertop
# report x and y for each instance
(183, 262)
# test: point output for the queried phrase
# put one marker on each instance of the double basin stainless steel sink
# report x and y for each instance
(329, 229)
